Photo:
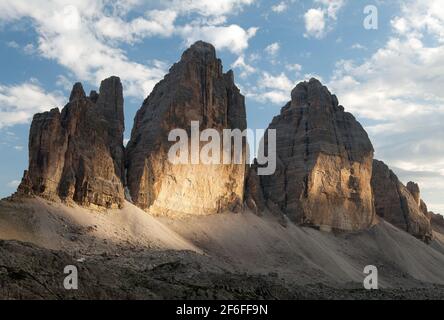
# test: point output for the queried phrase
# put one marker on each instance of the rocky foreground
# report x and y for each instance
(33, 273)
(226, 256)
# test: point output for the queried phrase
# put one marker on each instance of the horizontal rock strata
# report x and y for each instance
(324, 163)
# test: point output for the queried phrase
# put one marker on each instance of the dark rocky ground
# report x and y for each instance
(30, 272)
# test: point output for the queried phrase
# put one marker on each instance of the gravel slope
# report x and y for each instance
(130, 254)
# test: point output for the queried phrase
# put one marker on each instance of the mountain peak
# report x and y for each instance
(196, 89)
(77, 92)
(312, 92)
(200, 50)
(77, 155)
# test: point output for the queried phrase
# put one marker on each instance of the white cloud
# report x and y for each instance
(29, 49)
(244, 67)
(278, 82)
(420, 17)
(254, 57)
(273, 89)
(294, 67)
(18, 148)
(157, 23)
(68, 35)
(211, 26)
(209, 7)
(399, 88)
(64, 82)
(232, 37)
(13, 44)
(13, 184)
(331, 7)
(358, 46)
(276, 88)
(316, 19)
(402, 79)
(18, 103)
(280, 7)
(273, 48)
(315, 23)
(276, 97)
(84, 36)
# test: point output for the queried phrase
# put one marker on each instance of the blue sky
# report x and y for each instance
(390, 78)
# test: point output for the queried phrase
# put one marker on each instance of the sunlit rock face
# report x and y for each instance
(195, 89)
(414, 190)
(324, 163)
(77, 154)
(398, 204)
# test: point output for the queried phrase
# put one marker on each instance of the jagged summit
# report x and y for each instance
(77, 154)
(313, 92)
(200, 50)
(400, 205)
(77, 92)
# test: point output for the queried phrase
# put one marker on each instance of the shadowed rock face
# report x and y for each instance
(397, 204)
(78, 154)
(436, 219)
(195, 89)
(324, 163)
(254, 197)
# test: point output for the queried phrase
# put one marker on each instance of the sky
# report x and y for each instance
(390, 76)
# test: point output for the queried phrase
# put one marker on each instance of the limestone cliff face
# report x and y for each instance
(398, 204)
(324, 163)
(77, 154)
(195, 89)
(413, 188)
(254, 197)
(436, 220)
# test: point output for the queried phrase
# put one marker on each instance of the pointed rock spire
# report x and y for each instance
(77, 154)
(77, 92)
(398, 204)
